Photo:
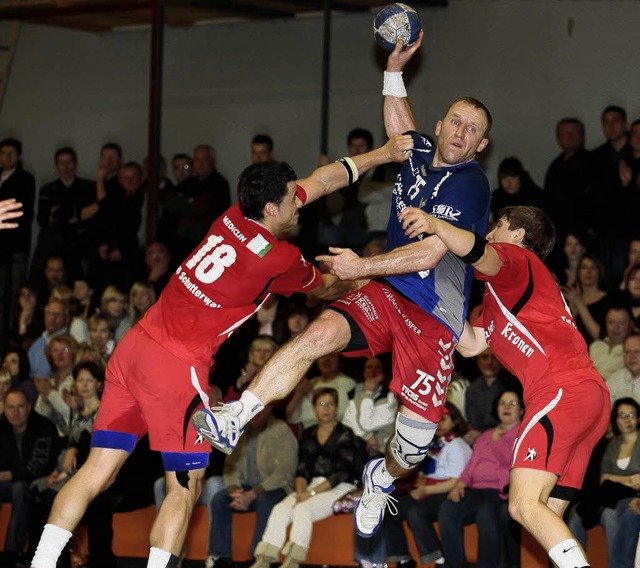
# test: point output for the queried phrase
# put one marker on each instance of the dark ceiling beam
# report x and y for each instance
(40, 11)
(235, 8)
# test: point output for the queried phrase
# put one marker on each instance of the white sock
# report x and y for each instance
(158, 558)
(52, 542)
(251, 406)
(382, 477)
(568, 554)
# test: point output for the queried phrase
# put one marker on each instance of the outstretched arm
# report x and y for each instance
(333, 288)
(472, 341)
(421, 255)
(398, 115)
(459, 241)
(334, 176)
(9, 209)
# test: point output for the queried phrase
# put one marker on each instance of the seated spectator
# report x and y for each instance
(15, 360)
(88, 381)
(89, 353)
(626, 381)
(258, 475)
(607, 354)
(372, 408)
(481, 396)
(625, 544)
(113, 304)
(78, 325)
(479, 495)
(27, 322)
(633, 259)
(5, 386)
(447, 456)
(632, 295)
(101, 334)
(260, 351)
(301, 408)
(588, 298)
(326, 456)
(56, 322)
(29, 445)
(54, 390)
(83, 293)
(619, 478)
(157, 260)
(142, 296)
(516, 188)
(53, 274)
(566, 269)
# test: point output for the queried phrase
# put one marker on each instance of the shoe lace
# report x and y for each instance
(232, 424)
(379, 499)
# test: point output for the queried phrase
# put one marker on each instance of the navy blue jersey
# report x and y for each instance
(459, 195)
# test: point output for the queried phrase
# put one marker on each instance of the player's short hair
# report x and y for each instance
(262, 183)
(361, 133)
(539, 232)
(475, 103)
(617, 109)
(570, 120)
(68, 150)
(263, 139)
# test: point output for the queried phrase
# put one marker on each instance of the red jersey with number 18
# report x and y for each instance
(529, 326)
(222, 283)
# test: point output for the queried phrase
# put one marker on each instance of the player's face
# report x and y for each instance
(627, 419)
(501, 233)
(460, 135)
(288, 209)
(632, 355)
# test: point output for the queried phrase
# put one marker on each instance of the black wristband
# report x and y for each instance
(476, 252)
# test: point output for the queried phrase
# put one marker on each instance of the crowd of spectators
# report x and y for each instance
(92, 277)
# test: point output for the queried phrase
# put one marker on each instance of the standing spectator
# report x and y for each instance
(28, 449)
(607, 193)
(199, 200)
(52, 275)
(479, 495)
(481, 396)
(261, 148)
(62, 231)
(566, 182)
(157, 260)
(182, 167)
(326, 457)
(515, 187)
(626, 381)
(257, 476)
(15, 245)
(607, 354)
(56, 321)
(27, 318)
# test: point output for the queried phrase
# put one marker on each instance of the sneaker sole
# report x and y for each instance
(365, 473)
(200, 423)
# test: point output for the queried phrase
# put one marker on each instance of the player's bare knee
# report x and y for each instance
(519, 509)
(329, 333)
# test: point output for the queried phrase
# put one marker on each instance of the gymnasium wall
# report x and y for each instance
(531, 61)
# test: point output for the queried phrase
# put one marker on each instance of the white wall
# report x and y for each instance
(226, 82)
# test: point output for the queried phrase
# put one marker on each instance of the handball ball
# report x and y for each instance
(396, 22)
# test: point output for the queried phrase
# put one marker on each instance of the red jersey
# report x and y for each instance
(529, 326)
(222, 283)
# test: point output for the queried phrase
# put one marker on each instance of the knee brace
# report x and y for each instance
(411, 440)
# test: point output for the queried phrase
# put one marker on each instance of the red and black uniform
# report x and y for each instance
(158, 374)
(529, 328)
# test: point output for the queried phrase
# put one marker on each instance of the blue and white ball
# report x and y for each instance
(396, 22)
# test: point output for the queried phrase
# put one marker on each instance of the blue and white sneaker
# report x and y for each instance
(220, 425)
(375, 499)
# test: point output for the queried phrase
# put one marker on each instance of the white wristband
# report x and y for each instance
(393, 85)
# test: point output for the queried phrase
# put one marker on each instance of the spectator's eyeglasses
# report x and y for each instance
(508, 403)
(323, 403)
(630, 415)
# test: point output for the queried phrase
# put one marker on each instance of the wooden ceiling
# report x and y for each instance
(110, 15)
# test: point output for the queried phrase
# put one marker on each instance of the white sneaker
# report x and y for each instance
(220, 425)
(374, 501)
(209, 562)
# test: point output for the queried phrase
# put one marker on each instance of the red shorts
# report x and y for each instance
(421, 346)
(559, 431)
(150, 390)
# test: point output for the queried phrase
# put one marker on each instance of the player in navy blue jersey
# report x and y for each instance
(416, 310)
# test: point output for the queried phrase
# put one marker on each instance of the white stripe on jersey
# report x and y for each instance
(514, 321)
(533, 422)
